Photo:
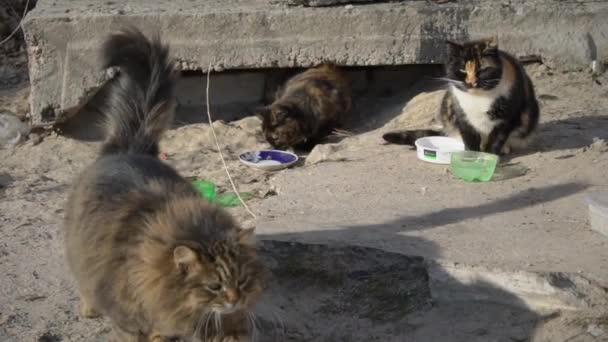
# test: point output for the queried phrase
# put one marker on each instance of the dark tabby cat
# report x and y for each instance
(146, 250)
(307, 108)
(490, 103)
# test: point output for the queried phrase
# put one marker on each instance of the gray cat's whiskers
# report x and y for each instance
(279, 325)
(254, 328)
(197, 328)
(206, 332)
(256, 321)
(218, 324)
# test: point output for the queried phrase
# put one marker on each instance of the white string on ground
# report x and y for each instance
(27, 4)
(219, 149)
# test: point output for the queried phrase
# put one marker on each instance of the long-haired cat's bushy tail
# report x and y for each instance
(409, 137)
(138, 103)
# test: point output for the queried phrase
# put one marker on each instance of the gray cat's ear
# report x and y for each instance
(247, 237)
(185, 257)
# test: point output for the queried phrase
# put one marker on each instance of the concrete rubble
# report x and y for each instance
(63, 36)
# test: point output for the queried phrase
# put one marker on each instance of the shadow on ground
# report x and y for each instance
(347, 293)
(572, 133)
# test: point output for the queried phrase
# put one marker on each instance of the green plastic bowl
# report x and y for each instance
(472, 166)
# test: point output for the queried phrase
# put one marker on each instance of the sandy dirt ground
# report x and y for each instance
(531, 217)
(364, 193)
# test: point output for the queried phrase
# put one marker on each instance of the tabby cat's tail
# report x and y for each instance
(138, 103)
(409, 137)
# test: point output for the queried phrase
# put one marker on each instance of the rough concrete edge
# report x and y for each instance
(539, 291)
(327, 3)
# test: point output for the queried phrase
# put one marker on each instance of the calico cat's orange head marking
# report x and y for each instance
(474, 64)
(470, 70)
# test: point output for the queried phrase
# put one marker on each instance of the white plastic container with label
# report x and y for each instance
(437, 150)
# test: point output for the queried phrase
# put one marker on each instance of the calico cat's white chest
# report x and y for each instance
(476, 108)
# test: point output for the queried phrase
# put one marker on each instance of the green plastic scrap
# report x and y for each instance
(229, 199)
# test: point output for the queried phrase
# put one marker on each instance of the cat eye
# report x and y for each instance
(485, 72)
(279, 116)
(214, 287)
(243, 281)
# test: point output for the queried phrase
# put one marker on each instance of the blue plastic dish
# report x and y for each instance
(268, 160)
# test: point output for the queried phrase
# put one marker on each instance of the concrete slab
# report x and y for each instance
(63, 36)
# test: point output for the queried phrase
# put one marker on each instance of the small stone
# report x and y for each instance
(548, 97)
(49, 337)
(599, 145)
(349, 7)
(595, 331)
(597, 67)
(35, 138)
(268, 193)
(322, 153)
(111, 72)
(12, 130)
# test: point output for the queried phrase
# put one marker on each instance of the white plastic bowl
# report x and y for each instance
(598, 211)
(437, 150)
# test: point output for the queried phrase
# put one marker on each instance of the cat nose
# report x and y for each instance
(231, 296)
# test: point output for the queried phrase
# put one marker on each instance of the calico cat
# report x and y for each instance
(490, 102)
(307, 108)
(146, 250)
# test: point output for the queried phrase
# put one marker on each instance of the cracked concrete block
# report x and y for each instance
(63, 36)
(224, 88)
(231, 95)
